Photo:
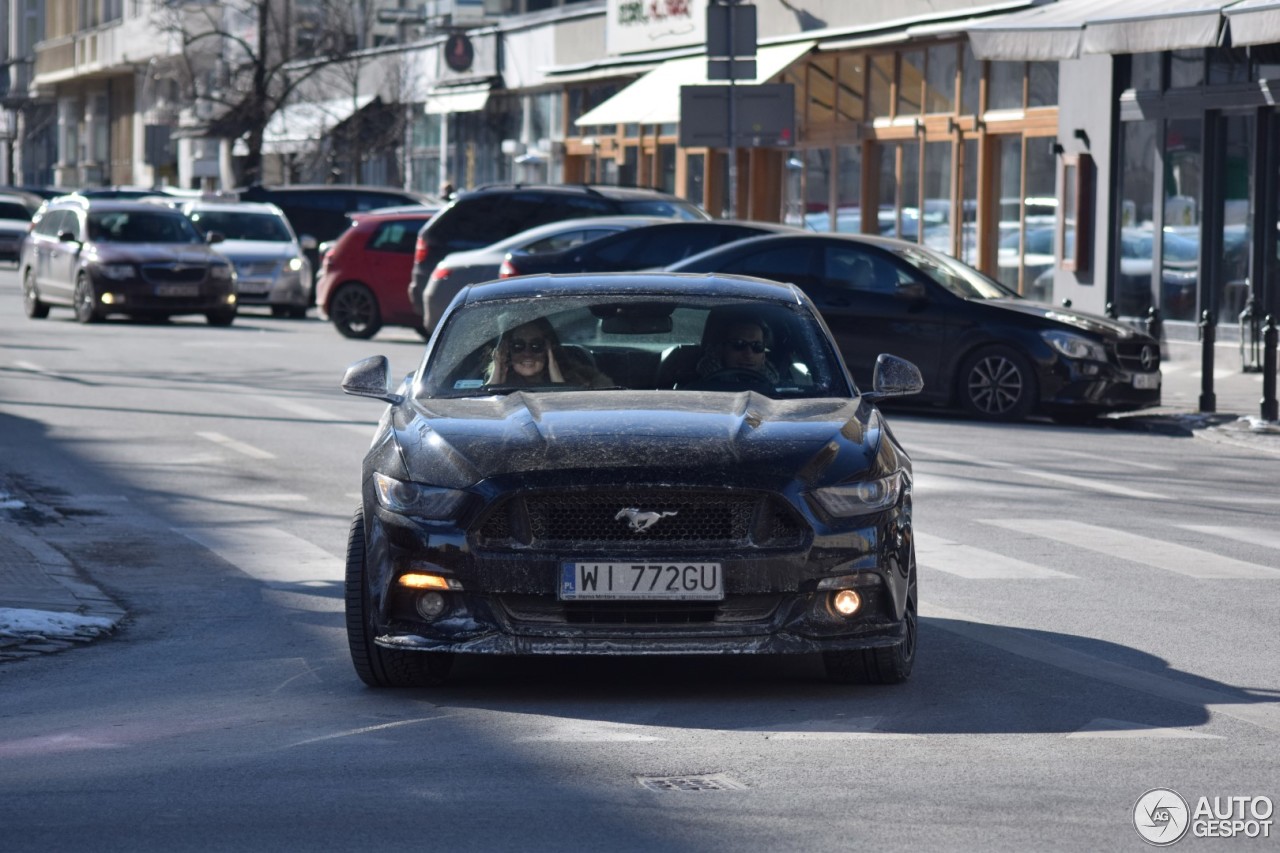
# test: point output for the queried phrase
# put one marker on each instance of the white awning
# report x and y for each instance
(458, 99)
(297, 127)
(655, 97)
(1069, 28)
(1254, 22)
(1147, 26)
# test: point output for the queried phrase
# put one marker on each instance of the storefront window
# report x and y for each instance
(817, 189)
(908, 208)
(851, 95)
(1144, 70)
(971, 81)
(1228, 65)
(694, 168)
(1005, 91)
(910, 82)
(940, 79)
(1186, 68)
(885, 223)
(1237, 218)
(1180, 243)
(1009, 172)
(1042, 84)
(822, 90)
(848, 188)
(937, 196)
(667, 168)
(1040, 220)
(969, 202)
(1132, 294)
(881, 78)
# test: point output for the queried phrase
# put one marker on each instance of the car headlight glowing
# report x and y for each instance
(222, 272)
(1075, 346)
(117, 272)
(416, 499)
(296, 264)
(852, 499)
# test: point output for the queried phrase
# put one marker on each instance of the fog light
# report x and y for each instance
(113, 299)
(430, 605)
(231, 299)
(846, 602)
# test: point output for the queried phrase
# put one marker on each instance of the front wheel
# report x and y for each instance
(997, 384)
(354, 311)
(31, 304)
(86, 301)
(886, 665)
(376, 666)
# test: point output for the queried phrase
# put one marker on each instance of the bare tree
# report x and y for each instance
(245, 59)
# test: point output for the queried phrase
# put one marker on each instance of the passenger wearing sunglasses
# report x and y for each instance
(531, 354)
(739, 344)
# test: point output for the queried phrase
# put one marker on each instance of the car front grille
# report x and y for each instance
(174, 273)
(633, 519)
(257, 269)
(546, 609)
(1138, 356)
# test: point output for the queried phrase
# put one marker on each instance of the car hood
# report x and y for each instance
(164, 253)
(1093, 323)
(457, 443)
(257, 250)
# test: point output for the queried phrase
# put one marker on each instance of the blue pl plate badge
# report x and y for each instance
(566, 582)
(462, 384)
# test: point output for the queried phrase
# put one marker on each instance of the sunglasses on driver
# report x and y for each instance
(739, 345)
(534, 346)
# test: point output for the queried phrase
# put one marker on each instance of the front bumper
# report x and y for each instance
(508, 603)
(139, 297)
(283, 290)
(1100, 387)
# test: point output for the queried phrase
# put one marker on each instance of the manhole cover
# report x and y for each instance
(712, 782)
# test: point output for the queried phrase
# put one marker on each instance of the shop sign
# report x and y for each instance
(634, 26)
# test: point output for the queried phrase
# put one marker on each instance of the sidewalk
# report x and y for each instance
(46, 606)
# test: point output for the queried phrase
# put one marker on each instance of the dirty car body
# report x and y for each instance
(654, 510)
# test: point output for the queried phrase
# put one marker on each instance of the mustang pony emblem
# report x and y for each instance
(640, 521)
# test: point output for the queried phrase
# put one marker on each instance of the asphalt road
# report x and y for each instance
(1098, 620)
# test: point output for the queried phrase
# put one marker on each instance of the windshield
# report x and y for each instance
(642, 342)
(239, 225)
(141, 226)
(10, 210)
(959, 278)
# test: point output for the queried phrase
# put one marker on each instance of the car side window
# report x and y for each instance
(399, 235)
(49, 223)
(571, 207)
(622, 248)
(794, 264)
(856, 268)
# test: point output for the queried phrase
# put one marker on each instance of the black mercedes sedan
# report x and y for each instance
(646, 464)
(979, 346)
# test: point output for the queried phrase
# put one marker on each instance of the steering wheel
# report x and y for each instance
(735, 378)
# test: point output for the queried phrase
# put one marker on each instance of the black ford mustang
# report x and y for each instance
(632, 464)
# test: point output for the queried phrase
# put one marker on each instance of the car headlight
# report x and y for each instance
(117, 272)
(416, 499)
(296, 264)
(852, 499)
(221, 272)
(1075, 346)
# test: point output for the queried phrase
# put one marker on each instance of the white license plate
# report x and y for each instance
(254, 287)
(1146, 381)
(177, 290)
(662, 581)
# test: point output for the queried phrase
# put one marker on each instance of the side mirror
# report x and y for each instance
(67, 237)
(894, 377)
(308, 243)
(214, 237)
(371, 378)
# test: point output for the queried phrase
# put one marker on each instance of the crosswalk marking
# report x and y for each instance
(1157, 553)
(1085, 483)
(323, 416)
(280, 559)
(1267, 538)
(1110, 460)
(934, 552)
(238, 446)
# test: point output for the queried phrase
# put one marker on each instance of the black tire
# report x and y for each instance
(221, 318)
(297, 312)
(376, 666)
(886, 665)
(85, 301)
(354, 311)
(997, 383)
(31, 304)
(279, 310)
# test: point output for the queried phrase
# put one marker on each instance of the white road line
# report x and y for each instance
(251, 499)
(323, 416)
(277, 558)
(1093, 485)
(1267, 538)
(1107, 728)
(1157, 553)
(588, 731)
(937, 484)
(1110, 460)
(238, 446)
(934, 552)
(29, 366)
(364, 730)
(1264, 714)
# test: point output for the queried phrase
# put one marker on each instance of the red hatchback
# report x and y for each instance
(364, 277)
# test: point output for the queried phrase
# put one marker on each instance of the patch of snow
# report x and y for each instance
(18, 622)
